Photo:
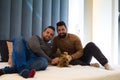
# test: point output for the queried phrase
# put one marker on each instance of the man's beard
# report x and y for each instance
(46, 40)
(62, 36)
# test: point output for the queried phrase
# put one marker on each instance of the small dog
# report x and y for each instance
(63, 60)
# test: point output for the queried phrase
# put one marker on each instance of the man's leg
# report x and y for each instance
(38, 63)
(7, 70)
(20, 56)
(77, 62)
(92, 50)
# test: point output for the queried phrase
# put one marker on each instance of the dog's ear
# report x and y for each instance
(66, 53)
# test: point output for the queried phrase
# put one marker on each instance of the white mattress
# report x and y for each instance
(69, 73)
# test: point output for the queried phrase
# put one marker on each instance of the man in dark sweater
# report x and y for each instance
(29, 56)
(70, 43)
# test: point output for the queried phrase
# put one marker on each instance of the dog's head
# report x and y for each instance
(63, 60)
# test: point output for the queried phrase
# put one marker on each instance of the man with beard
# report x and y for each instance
(70, 43)
(30, 56)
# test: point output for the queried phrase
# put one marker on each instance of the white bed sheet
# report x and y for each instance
(69, 73)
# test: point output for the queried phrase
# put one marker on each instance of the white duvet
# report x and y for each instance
(69, 73)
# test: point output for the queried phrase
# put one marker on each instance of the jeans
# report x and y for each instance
(24, 59)
(90, 50)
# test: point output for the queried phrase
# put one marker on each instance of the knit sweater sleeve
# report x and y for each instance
(34, 44)
(78, 47)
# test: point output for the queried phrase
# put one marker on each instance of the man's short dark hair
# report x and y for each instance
(51, 27)
(60, 23)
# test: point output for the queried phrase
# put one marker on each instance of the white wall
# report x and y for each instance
(105, 28)
(97, 21)
(88, 21)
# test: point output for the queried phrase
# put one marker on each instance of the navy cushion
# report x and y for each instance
(4, 50)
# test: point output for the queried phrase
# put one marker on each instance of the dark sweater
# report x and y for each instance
(39, 47)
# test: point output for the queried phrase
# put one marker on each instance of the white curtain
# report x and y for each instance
(97, 21)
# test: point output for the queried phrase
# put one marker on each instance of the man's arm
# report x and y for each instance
(34, 45)
(79, 49)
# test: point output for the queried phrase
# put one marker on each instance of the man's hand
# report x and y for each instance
(55, 60)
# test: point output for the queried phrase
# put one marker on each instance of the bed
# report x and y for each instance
(77, 72)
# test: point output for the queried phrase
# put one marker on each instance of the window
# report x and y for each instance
(97, 21)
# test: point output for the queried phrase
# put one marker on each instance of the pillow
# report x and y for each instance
(10, 49)
(3, 50)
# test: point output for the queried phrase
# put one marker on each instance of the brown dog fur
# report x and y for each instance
(63, 61)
